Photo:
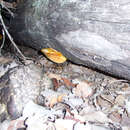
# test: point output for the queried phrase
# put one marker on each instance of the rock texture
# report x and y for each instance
(18, 85)
(88, 32)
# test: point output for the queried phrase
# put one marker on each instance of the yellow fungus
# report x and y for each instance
(54, 55)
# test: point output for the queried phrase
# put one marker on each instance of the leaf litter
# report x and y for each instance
(71, 97)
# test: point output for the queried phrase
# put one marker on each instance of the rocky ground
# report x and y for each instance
(40, 95)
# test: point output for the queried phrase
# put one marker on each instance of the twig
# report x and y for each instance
(123, 93)
(3, 41)
(7, 6)
(116, 81)
(9, 36)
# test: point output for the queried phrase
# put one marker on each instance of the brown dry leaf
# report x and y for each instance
(115, 116)
(103, 102)
(68, 83)
(60, 97)
(120, 100)
(51, 76)
(109, 98)
(83, 89)
(93, 116)
(89, 83)
(54, 55)
(55, 83)
(125, 87)
(4, 60)
(55, 100)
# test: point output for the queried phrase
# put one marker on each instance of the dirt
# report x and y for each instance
(88, 92)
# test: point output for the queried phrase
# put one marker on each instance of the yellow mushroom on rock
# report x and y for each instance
(54, 55)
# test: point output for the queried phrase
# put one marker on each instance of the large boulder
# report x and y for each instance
(88, 32)
(19, 85)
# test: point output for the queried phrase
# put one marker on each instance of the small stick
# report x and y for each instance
(116, 81)
(3, 41)
(9, 36)
(7, 6)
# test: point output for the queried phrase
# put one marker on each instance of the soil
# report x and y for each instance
(90, 93)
